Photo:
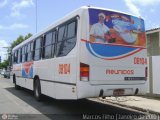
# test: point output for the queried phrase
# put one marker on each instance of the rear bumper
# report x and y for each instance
(85, 90)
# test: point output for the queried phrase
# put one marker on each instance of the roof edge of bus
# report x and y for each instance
(102, 8)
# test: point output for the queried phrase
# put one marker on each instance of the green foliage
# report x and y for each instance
(4, 64)
(27, 36)
(20, 39)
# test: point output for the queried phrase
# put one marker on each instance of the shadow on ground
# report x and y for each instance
(73, 109)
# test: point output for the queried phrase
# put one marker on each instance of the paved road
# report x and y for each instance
(21, 104)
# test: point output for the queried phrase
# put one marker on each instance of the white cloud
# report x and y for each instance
(3, 51)
(132, 7)
(146, 2)
(3, 3)
(15, 13)
(13, 26)
(154, 25)
(3, 43)
(149, 24)
(17, 6)
(17, 26)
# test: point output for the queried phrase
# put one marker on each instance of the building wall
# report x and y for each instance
(153, 52)
(156, 75)
(153, 47)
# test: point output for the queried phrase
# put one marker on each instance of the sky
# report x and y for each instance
(18, 17)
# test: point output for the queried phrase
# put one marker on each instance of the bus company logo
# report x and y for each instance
(111, 51)
(27, 69)
(119, 72)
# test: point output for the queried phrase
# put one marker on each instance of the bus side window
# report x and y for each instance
(23, 54)
(60, 42)
(71, 36)
(53, 43)
(66, 43)
(28, 54)
(61, 33)
(10, 60)
(47, 45)
(71, 30)
(37, 49)
(13, 58)
(19, 55)
(32, 50)
(16, 56)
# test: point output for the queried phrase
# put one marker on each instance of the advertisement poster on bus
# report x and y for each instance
(116, 28)
(27, 69)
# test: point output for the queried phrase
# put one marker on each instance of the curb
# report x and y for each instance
(132, 107)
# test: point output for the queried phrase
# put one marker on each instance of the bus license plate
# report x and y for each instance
(118, 92)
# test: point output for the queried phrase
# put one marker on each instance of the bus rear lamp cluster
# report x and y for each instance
(84, 72)
(146, 72)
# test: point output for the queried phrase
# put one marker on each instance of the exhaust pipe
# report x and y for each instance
(101, 93)
(136, 91)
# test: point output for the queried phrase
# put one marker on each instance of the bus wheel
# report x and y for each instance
(37, 90)
(17, 87)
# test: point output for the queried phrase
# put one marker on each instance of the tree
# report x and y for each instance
(4, 64)
(27, 36)
(20, 39)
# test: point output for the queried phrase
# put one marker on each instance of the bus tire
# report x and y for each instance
(37, 90)
(17, 87)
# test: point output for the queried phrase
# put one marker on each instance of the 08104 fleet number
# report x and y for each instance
(140, 61)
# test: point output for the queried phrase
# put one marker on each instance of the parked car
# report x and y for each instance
(2, 72)
(6, 74)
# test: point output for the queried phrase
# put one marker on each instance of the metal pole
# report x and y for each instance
(36, 16)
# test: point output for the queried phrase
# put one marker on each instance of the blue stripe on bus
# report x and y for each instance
(107, 50)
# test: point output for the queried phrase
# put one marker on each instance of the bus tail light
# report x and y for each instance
(146, 72)
(84, 72)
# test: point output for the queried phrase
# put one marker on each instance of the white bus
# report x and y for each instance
(91, 52)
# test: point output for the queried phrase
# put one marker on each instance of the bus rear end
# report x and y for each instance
(113, 56)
